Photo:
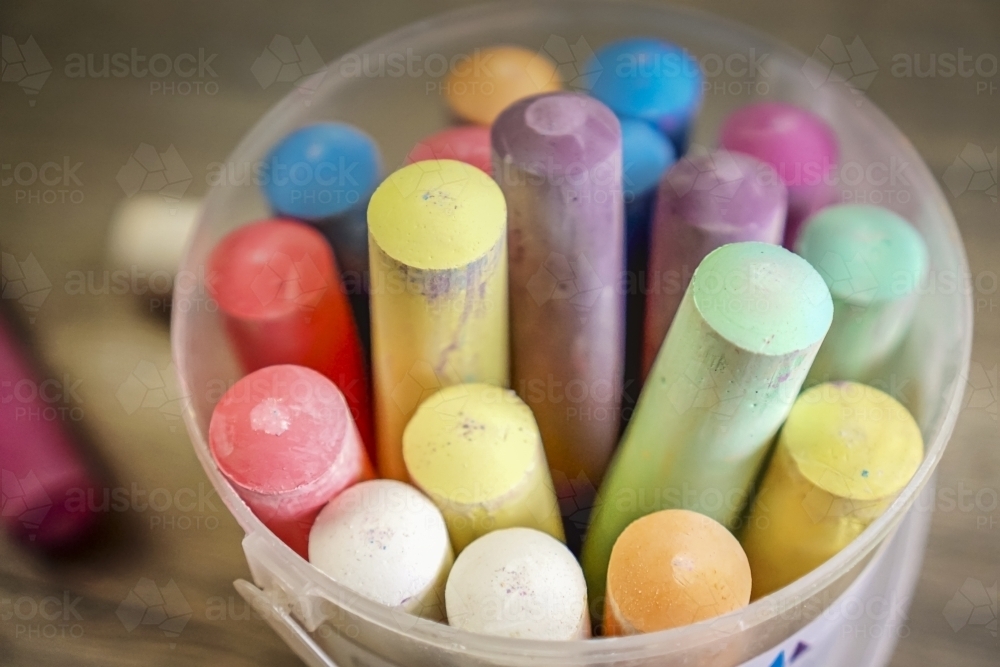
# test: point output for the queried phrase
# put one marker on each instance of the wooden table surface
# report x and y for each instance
(96, 339)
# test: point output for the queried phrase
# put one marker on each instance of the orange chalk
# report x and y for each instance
(492, 79)
(673, 568)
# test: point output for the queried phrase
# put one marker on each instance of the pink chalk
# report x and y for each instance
(284, 438)
(800, 145)
(42, 475)
(279, 290)
(467, 143)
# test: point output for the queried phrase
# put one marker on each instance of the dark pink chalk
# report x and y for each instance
(284, 438)
(42, 474)
(800, 145)
(706, 200)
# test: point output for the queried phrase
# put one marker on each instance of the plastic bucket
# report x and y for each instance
(393, 89)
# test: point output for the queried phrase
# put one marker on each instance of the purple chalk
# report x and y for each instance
(706, 200)
(800, 145)
(558, 160)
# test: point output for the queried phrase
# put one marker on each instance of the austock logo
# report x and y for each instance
(24, 281)
(833, 60)
(974, 170)
(973, 605)
(281, 61)
(147, 170)
(162, 606)
(25, 65)
(24, 498)
(149, 387)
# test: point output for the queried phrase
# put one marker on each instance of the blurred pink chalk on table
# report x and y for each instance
(284, 438)
(44, 481)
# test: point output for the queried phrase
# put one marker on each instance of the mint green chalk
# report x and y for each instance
(732, 364)
(873, 261)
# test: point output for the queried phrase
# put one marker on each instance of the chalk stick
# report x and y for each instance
(489, 80)
(324, 174)
(46, 481)
(729, 370)
(843, 456)
(800, 145)
(386, 541)
(672, 568)
(874, 262)
(475, 450)
(150, 234)
(284, 438)
(519, 583)
(557, 158)
(651, 80)
(708, 199)
(439, 291)
(282, 301)
(466, 143)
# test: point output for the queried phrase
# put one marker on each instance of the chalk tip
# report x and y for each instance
(520, 583)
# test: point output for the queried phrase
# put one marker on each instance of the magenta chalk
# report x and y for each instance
(800, 145)
(284, 438)
(43, 477)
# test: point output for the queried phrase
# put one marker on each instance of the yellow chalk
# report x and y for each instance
(491, 79)
(475, 450)
(843, 456)
(438, 257)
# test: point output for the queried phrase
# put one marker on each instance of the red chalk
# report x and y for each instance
(467, 143)
(285, 440)
(279, 289)
(43, 480)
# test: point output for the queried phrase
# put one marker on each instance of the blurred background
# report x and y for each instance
(76, 144)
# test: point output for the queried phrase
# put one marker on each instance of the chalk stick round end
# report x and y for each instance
(437, 215)
(270, 268)
(519, 583)
(386, 541)
(556, 134)
(801, 145)
(471, 444)
(853, 441)
(489, 80)
(646, 78)
(865, 253)
(727, 195)
(673, 568)
(321, 170)
(762, 298)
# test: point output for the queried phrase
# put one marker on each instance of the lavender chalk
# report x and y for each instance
(557, 158)
(707, 200)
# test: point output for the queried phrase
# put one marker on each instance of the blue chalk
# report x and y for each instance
(321, 171)
(646, 156)
(651, 80)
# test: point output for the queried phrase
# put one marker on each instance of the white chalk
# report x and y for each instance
(388, 542)
(150, 233)
(521, 583)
